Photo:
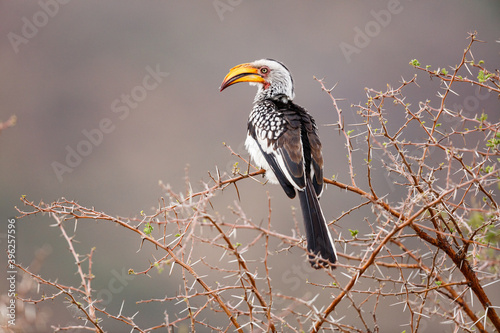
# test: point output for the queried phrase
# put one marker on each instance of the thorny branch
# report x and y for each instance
(430, 249)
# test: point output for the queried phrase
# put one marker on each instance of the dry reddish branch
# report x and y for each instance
(9, 123)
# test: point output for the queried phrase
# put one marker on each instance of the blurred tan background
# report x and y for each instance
(68, 68)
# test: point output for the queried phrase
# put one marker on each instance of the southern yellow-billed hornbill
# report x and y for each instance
(282, 138)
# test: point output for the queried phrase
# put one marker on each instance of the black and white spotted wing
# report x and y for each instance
(282, 137)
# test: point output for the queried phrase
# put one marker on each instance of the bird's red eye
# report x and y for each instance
(264, 70)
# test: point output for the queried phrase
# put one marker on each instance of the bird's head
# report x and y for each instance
(271, 77)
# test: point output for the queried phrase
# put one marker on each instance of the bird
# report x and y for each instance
(282, 138)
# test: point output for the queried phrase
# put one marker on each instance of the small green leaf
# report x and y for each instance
(148, 229)
(414, 63)
(354, 233)
(235, 169)
(158, 267)
(444, 71)
(438, 283)
(482, 77)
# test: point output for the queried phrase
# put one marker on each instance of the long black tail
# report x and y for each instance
(319, 240)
